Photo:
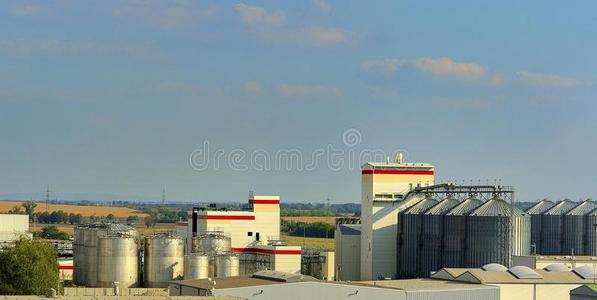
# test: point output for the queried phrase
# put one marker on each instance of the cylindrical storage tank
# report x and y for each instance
(431, 235)
(227, 265)
(574, 228)
(552, 227)
(454, 237)
(78, 255)
(591, 233)
(117, 257)
(90, 253)
(409, 238)
(196, 266)
(536, 212)
(496, 231)
(163, 260)
(212, 243)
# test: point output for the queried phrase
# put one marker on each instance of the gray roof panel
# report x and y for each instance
(541, 207)
(497, 207)
(350, 229)
(583, 208)
(443, 206)
(465, 207)
(422, 206)
(562, 208)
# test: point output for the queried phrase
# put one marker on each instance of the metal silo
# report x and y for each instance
(431, 236)
(118, 260)
(211, 243)
(196, 266)
(163, 260)
(409, 237)
(454, 237)
(90, 253)
(79, 263)
(552, 227)
(536, 212)
(495, 231)
(591, 233)
(227, 265)
(573, 238)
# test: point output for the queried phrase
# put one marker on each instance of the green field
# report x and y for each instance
(309, 242)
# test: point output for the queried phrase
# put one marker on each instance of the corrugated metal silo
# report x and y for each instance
(78, 255)
(227, 265)
(495, 231)
(552, 227)
(591, 233)
(409, 237)
(536, 212)
(454, 237)
(431, 236)
(117, 260)
(573, 238)
(196, 266)
(164, 260)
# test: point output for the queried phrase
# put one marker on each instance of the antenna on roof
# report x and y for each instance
(48, 199)
(399, 157)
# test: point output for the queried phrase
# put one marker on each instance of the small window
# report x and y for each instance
(250, 233)
(257, 236)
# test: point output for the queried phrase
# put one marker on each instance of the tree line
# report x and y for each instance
(316, 229)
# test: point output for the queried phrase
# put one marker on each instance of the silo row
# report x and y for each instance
(567, 228)
(456, 234)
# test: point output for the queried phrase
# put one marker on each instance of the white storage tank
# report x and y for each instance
(196, 266)
(117, 260)
(163, 260)
(227, 265)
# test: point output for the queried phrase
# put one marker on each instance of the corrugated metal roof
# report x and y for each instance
(583, 208)
(350, 229)
(541, 207)
(443, 206)
(497, 207)
(422, 206)
(562, 207)
(465, 207)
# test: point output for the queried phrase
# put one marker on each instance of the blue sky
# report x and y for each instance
(115, 99)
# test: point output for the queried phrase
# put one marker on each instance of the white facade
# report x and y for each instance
(383, 188)
(347, 241)
(11, 226)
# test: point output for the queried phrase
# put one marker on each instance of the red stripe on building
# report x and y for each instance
(65, 267)
(266, 251)
(398, 172)
(258, 201)
(225, 217)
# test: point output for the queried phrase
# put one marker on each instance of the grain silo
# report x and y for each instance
(496, 231)
(591, 233)
(536, 212)
(409, 237)
(164, 260)
(552, 227)
(573, 237)
(117, 260)
(454, 237)
(432, 232)
(78, 255)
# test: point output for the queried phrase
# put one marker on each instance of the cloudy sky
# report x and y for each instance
(214, 98)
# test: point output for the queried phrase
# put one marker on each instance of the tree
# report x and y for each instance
(53, 233)
(17, 210)
(150, 221)
(28, 267)
(132, 220)
(110, 217)
(29, 207)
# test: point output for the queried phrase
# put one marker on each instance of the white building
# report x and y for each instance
(11, 226)
(383, 189)
(253, 232)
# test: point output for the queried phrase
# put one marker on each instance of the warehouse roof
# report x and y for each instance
(350, 229)
(421, 284)
(497, 277)
(257, 279)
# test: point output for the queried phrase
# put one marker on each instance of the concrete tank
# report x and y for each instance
(454, 237)
(552, 227)
(536, 212)
(573, 238)
(211, 243)
(163, 260)
(496, 231)
(432, 232)
(227, 265)
(196, 266)
(409, 238)
(118, 260)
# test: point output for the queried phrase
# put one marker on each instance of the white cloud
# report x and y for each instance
(324, 36)
(322, 6)
(27, 10)
(252, 87)
(546, 79)
(260, 16)
(444, 66)
(308, 91)
(386, 66)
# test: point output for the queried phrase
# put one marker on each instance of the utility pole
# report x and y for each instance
(48, 199)
(163, 195)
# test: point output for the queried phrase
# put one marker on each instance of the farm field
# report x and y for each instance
(160, 227)
(86, 211)
(309, 242)
(328, 220)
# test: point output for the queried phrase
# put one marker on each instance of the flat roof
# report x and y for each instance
(226, 282)
(497, 277)
(421, 284)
